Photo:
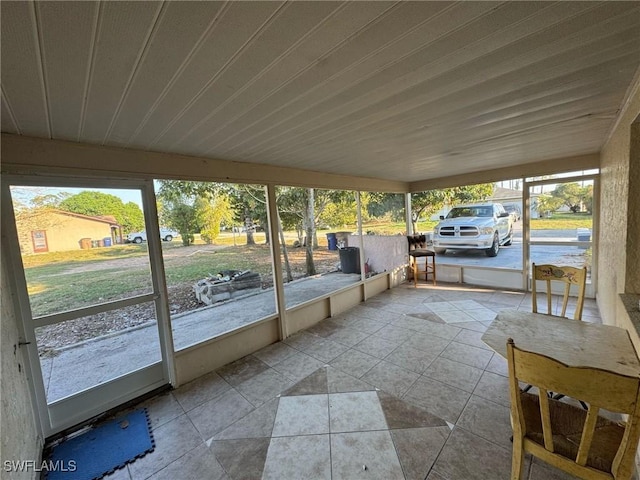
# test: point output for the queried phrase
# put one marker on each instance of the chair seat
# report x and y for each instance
(568, 422)
(422, 252)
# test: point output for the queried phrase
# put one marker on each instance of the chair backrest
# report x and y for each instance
(600, 389)
(417, 242)
(560, 274)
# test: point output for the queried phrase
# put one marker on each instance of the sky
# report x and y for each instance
(25, 194)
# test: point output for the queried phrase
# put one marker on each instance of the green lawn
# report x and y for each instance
(52, 293)
(563, 221)
(68, 258)
(65, 280)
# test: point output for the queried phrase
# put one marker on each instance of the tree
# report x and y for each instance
(340, 213)
(297, 210)
(285, 254)
(574, 196)
(385, 205)
(183, 213)
(212, 214)
(96, 204)
(331, 207)
(292, 207)
(304, 208)
(547, 203)
(246, 201)
(132, 218)
(310, 229)
(92, 204)
(430, 201)
(588, 198)
(344, 202)
(183, 217)
(180, 204)
(50, 200)
(250, 203)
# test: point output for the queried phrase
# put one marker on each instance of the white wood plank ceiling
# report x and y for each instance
(395, 90)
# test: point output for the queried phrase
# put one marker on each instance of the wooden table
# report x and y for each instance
(572, 342)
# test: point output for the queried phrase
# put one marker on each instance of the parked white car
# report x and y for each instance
(480, 226)
(166, 234)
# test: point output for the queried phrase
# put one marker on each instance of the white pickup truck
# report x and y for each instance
(484, 226)
(166, 234)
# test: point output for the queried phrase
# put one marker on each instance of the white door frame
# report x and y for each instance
(590, 290)
(69, 411)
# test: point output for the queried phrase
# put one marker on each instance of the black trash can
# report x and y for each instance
(332, 241)
(350, 259)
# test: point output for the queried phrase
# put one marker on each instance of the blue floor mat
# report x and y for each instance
(103, 449)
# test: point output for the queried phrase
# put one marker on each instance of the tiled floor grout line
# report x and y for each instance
(455, 424)
(180, 457)
(400, 317)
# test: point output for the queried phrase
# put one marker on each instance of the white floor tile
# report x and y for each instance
(481, 314)
(369, 455)
(302, 415)
(455, 316)
(355, 412)
(440, 306)
(302, 457)
(466, 304)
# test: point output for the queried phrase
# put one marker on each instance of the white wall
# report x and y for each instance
(619, 237)
(19, 435)
(385, 252)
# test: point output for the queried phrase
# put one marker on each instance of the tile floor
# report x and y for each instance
(400, 387)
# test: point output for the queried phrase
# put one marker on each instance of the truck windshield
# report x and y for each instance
(470, 212)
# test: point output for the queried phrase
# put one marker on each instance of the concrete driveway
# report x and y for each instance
(511, 257)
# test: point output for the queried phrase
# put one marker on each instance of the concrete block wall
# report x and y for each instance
(385, 253)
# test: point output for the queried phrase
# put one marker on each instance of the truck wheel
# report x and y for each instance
(509, 239)
(137, 240)
(440, 251)
(168, 238)
(495, 247)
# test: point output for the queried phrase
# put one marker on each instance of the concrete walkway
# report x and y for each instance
(98, 360)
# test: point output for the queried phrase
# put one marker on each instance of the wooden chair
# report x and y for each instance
(418, 249)
(579, 442)
(561, 274)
